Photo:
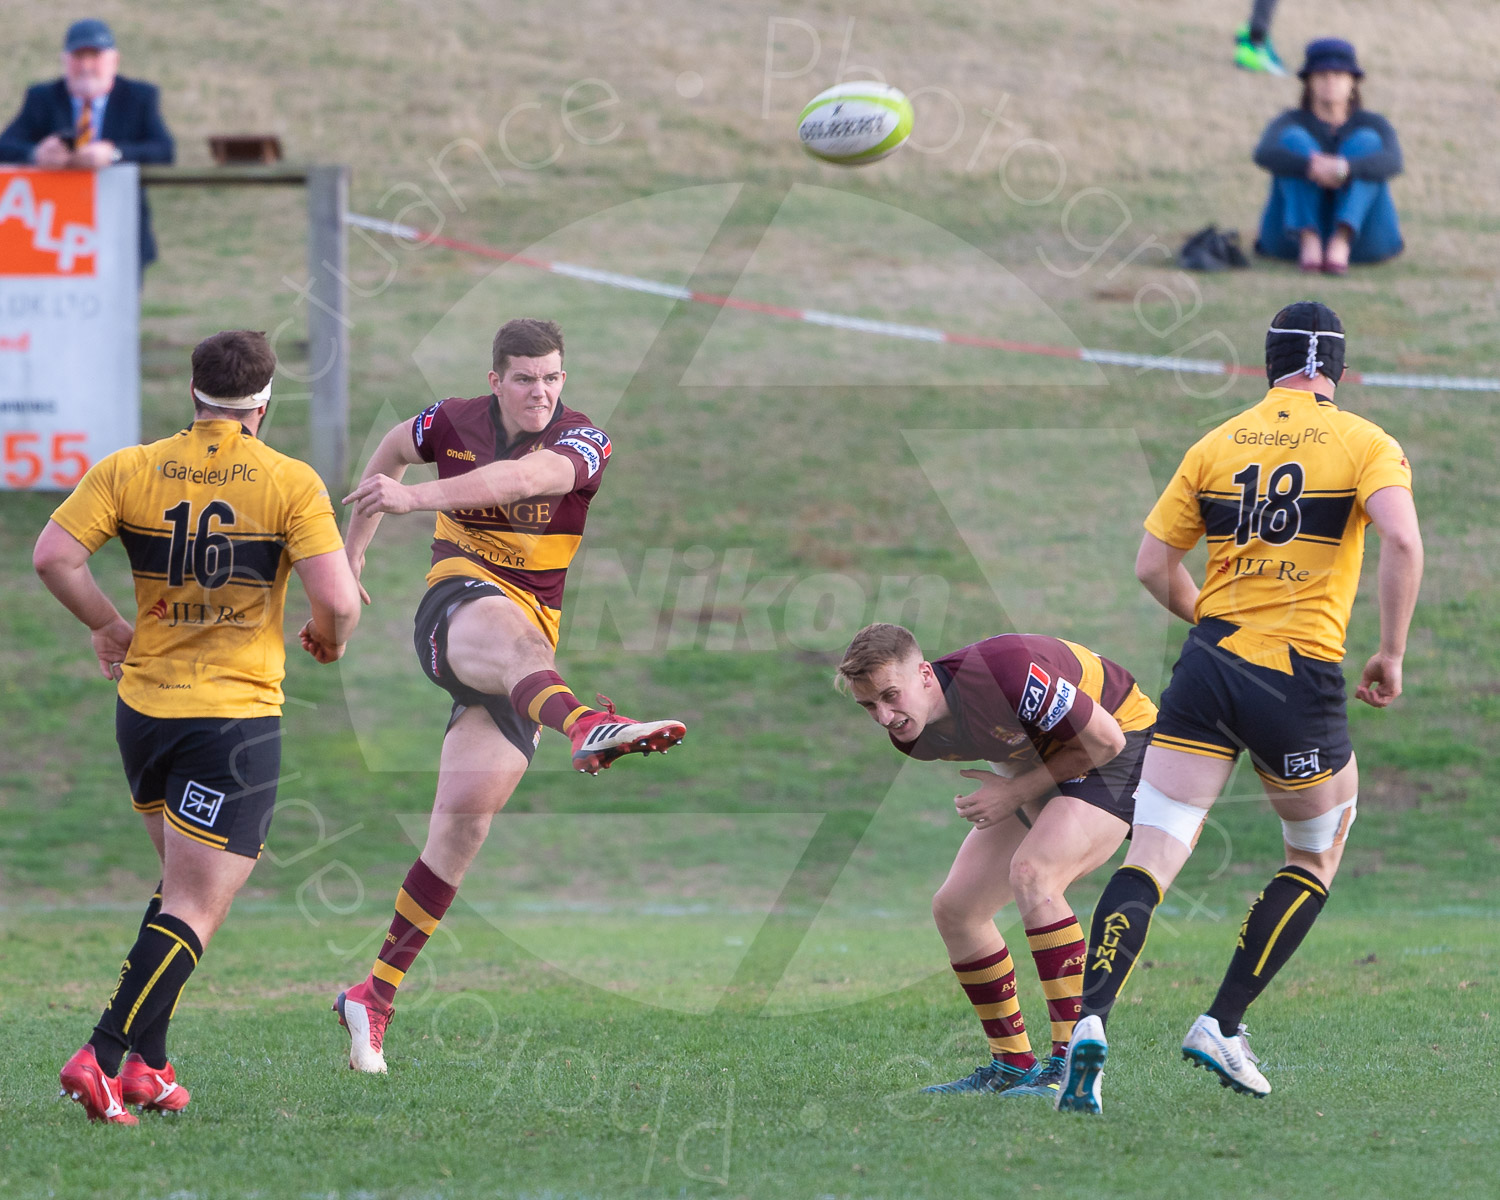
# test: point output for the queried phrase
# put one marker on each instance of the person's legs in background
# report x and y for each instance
(1291, 225)
(1365, 229)
(1253, 50)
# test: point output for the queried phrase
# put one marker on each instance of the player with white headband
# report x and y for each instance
(1282, 494)
(214, 522)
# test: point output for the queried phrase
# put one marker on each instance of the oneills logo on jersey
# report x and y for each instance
(466, 455)
(47, 223)
(1034, 694)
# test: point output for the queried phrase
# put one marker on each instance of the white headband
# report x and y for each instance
(1312, 336)
(237, 402)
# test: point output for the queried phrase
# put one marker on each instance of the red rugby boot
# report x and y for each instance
(365, 1017)
(601, 737)
(153, 1090)
(84, 1080)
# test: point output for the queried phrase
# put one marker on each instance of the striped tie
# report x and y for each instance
(84, 134)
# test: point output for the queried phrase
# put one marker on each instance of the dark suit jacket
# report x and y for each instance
(132, 121)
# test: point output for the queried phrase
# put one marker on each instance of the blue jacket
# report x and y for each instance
(132, 121)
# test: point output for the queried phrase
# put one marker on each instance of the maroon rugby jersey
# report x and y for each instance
(525, 546)
(1017, 697)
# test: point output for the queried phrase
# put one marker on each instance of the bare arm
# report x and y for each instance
(1159, 567)
(543, 473)
(334, 594)
(1097, 743)
(62, 562)
(1394, 513)
(390, 460)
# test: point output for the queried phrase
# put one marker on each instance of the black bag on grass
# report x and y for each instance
(1211, 249)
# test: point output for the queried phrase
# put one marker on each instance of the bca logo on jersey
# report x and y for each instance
(1062, 704)
(590, 444)
(1034, 694)
(422, 426)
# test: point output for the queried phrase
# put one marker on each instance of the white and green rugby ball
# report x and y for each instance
(855, 123)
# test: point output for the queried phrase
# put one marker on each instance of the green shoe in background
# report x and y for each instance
(1256, 56)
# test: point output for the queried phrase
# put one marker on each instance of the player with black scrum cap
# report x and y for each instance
(1282, 494)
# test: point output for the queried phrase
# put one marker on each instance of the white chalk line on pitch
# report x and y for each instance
(894, 329)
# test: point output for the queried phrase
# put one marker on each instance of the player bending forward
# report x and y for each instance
(213, 521)
(1063, 731)
(517, 470)
(1283, 493)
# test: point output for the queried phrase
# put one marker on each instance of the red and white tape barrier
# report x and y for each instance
(917, 333)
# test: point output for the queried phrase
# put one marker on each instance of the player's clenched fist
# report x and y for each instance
(324, 652)
(1380, 682)
(380, 494)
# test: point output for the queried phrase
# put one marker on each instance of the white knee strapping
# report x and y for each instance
(1318, 834)
(1155, 808)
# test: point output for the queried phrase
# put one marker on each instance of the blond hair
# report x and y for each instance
(873, 647)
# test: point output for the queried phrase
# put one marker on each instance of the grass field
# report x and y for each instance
(714, 974)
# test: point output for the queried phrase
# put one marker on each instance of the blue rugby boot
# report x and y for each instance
(1044, 1079)
(994, 1076)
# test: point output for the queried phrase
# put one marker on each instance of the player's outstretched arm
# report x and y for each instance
(543, 473)
(62, 562)
(382, 476)
(334, 594)
(1159, 567)
(1394, 513)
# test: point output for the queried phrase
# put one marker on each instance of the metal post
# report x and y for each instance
(327, 325)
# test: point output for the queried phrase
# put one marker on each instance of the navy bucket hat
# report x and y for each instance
(1330, 54)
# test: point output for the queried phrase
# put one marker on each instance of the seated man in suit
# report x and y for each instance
(91, 118)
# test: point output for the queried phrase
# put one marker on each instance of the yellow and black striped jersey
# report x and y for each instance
(1279, 491)
(212, 520)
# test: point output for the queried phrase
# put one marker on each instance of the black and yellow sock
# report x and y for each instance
(153, 907)
(1273, 928)
(151, 980)
(151, 1042)
(1122, 918)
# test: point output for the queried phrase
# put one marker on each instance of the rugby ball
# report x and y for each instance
(855, 123)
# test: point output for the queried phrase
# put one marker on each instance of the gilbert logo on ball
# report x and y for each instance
(855, 123)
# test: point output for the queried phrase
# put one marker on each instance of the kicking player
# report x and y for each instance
(1063, 731)
(213, 521)
(1283, 493)
(517, 470)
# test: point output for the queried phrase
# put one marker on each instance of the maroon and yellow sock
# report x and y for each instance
(990, 984)
(543, 697)
(1060, 951)
(420, 905)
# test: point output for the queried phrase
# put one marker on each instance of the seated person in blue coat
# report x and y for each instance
(1330, 163)
(91, 117)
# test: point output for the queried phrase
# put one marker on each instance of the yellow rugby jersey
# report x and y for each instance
(1279, 491)
(212, 520)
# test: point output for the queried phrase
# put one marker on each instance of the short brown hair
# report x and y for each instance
(525, 337)
(873, 647)
(237, 362)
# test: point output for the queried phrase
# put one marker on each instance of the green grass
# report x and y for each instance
(751, 912)
(508, 1077)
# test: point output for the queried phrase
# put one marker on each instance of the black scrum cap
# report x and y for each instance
(1307, 337)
